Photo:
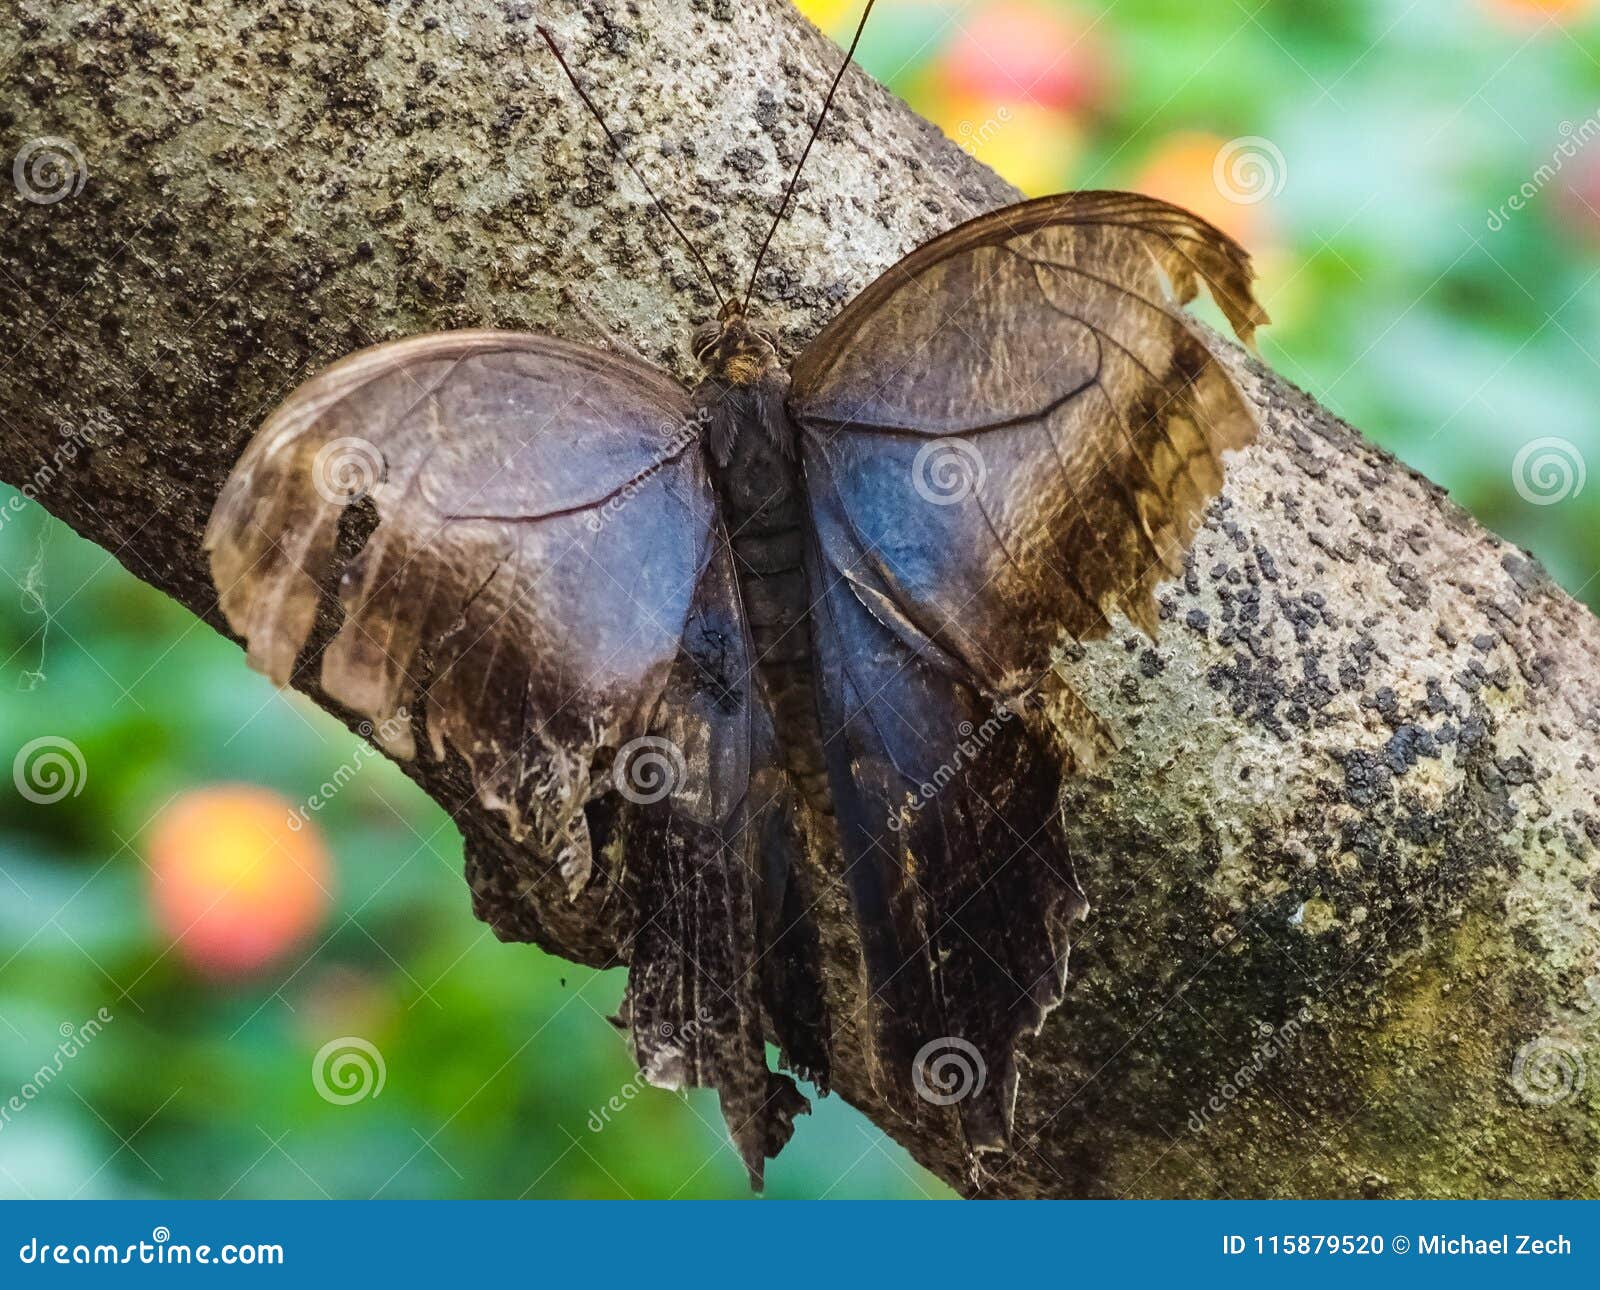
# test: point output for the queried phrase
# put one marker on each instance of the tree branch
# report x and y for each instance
(1356, 801)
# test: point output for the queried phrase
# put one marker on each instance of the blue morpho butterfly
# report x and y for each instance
(718, 649)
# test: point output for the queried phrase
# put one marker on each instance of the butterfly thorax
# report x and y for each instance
(744, 386)
(750, 451)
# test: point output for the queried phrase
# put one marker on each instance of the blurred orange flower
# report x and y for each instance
(1561, 11)
(1230, 182)
(237, 877)
(1035, 148)
(1027, 53)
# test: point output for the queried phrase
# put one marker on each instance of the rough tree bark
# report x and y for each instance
(1357, 799)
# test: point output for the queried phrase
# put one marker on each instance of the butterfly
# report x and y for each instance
(700, 646)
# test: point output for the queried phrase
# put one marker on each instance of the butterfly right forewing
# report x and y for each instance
(1009, 441)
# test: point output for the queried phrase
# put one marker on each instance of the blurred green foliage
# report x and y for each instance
(1397, 130)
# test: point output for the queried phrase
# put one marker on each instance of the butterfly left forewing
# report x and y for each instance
(546, 594)
(541, 518)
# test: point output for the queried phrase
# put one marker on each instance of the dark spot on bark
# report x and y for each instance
(1255, 689)
(1525, 571)
(766, 110)
(1406, 745)
(1403, 574)
(747, 161)
(1386, 702)
(1516, 770)
(1367, 778)
(1267, 565)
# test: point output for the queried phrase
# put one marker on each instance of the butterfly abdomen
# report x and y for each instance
(759, 486)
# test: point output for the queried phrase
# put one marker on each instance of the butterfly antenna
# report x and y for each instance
(622, 156)
(815, 131)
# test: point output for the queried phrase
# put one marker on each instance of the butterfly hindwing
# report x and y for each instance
(955, 860)
(714, 803)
